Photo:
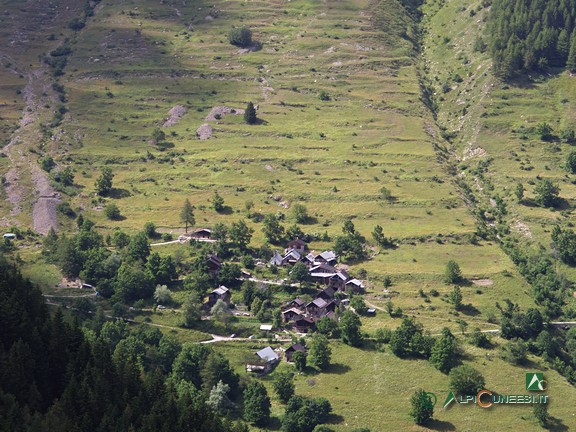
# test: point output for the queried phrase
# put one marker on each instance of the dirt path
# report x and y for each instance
(27, 184)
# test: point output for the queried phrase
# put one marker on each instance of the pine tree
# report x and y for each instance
(519, 192)
(540, 412)
(217, 202)
(452, 274)
(104, 182)
(571, 61)
(455, 297)
(250, 114)
(563, 46)
(187, 214)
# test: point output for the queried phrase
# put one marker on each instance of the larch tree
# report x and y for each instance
(187, 214)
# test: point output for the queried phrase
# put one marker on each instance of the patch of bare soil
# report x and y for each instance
(204, 132)
(522, 228)
(218, 111)
(44, 215)
(175, 115)
(482, 282)
(430, 130)
(471, 153)
(70, 283)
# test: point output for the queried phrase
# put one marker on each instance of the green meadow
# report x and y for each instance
(333, 156)
(375, 393)
(338, 89)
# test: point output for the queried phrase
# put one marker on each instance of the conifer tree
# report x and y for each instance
(187, 214)
(250, 114)
(571, 62)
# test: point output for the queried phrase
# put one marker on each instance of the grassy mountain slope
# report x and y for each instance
(130, 66)
(494, 123)
(136, 61)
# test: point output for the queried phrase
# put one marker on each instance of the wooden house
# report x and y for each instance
(326, 257)
(316, 307)
(289, 352)
(338, 281)
(297, 245)
(296, 303)
(327, 293)
(277, 259)
(202, 234)
(322, 273)
(267, 359)
(304, 324)
(292, 314)
(353, 286)
(220, 293)
(214, 264)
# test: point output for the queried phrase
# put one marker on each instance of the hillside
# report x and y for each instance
(306, 151)
(384, 113)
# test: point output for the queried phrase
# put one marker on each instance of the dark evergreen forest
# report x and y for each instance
(57, 375)
(526, 35)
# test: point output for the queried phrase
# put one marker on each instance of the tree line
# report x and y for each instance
(531, 34)
(59, 375)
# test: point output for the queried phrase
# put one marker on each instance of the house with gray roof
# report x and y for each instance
(267, 359)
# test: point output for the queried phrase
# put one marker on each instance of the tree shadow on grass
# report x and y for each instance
(337, 368)
(309, 220)
(529, 364)
(440, 425)
(469, 310)
(562, 204)
(464, 282)
(522, 81)
(118, 218)
(556, 425)
(117, 193)
(334, 419)
(226, 210)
